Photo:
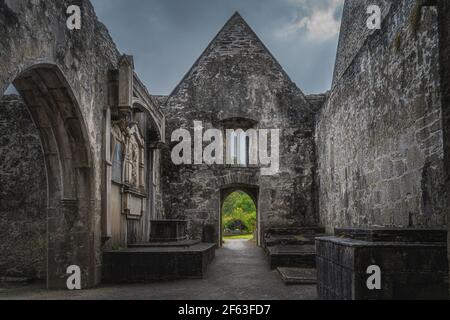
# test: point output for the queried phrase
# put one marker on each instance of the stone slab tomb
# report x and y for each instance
(168, 256)
(168, 230)
(291, 247)
(413, 264)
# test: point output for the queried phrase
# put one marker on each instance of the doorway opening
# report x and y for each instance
(239, 216)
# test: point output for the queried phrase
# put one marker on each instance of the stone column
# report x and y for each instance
(106, 225)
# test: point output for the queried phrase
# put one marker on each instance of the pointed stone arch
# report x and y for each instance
(69, 169)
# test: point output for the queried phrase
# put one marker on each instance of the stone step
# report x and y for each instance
(147, 264)
(275, 240)
(303, 256)
(294, 231)
(298, 276)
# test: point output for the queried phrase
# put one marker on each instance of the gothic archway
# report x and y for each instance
(69, 170)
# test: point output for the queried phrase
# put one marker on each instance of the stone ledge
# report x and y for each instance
(393, 234)
(409, 270)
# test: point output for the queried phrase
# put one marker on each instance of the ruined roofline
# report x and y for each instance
(207, 49)
(236, 15)
(11, 97)
(386, 13)
(337, 76)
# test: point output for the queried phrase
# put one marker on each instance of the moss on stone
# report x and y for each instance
(416, 16)
(397, 42)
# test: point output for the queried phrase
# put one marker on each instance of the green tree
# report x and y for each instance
(239, 206)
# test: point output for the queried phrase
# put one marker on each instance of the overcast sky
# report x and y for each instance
(167, 36)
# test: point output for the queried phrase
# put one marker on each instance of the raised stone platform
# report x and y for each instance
(413, 264)
(152, 263)
(298, 276)
(291, 236)
(299, 256)
(168, 230)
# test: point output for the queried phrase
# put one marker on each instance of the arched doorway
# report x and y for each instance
(239, 218)
(68, 169)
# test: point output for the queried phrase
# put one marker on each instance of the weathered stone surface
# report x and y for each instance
(393, 234)
(155, 264)
(63, 77)
(379, 136)
(236, 77)
(409, 270)
(295, 256)
(353, 35)
(444, 63)
(371, 152)
(23, 194)
(168, 230)
(292, 276)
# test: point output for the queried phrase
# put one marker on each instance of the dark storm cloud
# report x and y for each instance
(167, 36)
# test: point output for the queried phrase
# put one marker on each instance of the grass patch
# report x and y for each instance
(242, 236)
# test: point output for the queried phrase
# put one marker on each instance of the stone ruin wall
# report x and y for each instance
(23, 194)
(379, 136)
(36, 34)
(237, 77)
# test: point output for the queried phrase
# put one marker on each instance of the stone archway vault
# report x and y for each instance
(69, 170)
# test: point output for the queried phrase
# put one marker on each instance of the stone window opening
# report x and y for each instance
(238, 141)
(117, 170)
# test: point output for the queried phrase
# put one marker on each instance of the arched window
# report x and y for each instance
(237, 146)
(117, 169)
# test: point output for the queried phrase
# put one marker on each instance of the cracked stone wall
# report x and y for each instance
(35, 33)
(23, 194)
(237, 77)
(444, 61)
(379, 136)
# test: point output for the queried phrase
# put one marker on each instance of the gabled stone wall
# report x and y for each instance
(237, 77)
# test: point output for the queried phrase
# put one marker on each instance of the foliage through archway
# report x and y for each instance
(238, 215)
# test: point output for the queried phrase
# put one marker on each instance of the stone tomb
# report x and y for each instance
(168, 230)
(168, 256)
(291, 247)
(413, 264)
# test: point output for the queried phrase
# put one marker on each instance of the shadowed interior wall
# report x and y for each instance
(379, 137)
(23, 193)
(444, 61)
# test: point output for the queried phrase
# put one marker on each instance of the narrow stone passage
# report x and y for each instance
(239, 271)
